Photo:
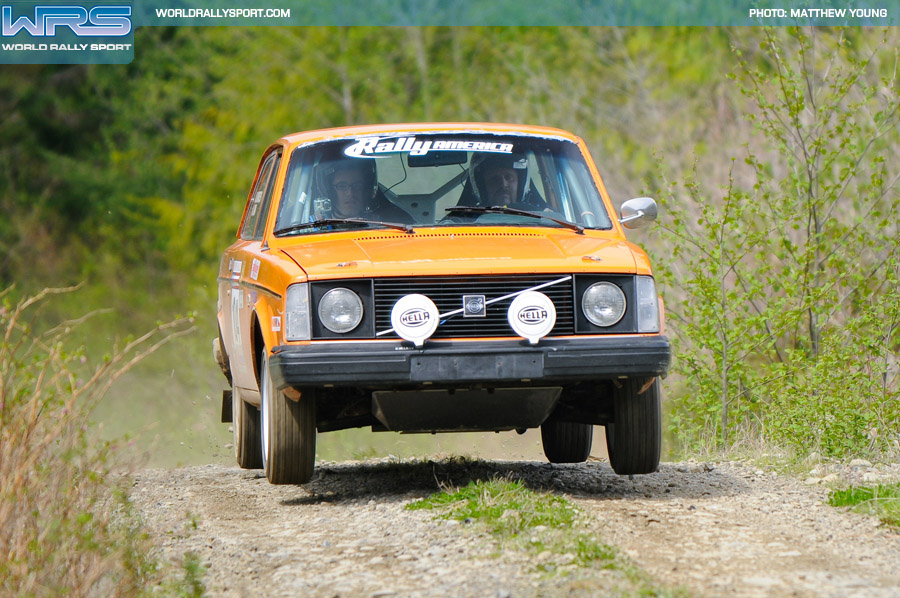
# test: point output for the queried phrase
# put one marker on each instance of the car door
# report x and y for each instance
(243, 267)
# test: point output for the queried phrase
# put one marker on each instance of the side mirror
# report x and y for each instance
(638, 212)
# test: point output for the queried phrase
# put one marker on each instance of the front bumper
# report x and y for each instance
(450, 363)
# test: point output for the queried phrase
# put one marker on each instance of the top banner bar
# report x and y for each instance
(102, 31)
(864, 13)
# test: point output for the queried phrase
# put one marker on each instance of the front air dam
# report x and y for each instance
(464, 410)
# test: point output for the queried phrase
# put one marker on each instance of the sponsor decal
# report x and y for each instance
(254, 269)
(236, 300)
(372, 147)
(276, 323)
(415, 317)
(532, 314)
(474, 306)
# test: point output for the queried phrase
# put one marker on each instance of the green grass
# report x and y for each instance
(547, 527)
(506, 508)
(882, 501)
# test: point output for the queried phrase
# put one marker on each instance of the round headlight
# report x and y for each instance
(603, 303)
(340, 310)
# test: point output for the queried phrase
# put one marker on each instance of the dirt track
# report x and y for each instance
(713, 529)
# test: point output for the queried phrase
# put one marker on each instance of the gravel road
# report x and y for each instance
(709, 529)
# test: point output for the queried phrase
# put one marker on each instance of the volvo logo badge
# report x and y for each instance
(474, 306)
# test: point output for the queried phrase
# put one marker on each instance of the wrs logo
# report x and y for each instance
(99, 21)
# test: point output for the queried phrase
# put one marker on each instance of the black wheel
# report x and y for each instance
(566, 442)
(288, 433)
(245, 423)
(634, 438)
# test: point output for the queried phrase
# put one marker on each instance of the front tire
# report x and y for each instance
(288, 433)
(566, 442)
(245, 424)
(634, 438)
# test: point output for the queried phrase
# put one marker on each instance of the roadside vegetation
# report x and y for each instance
(67, 527)
(546, 527)
(783, 292)
(882, 501)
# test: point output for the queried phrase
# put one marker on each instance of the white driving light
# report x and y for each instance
(532, 315)
(648, 305)
(340, 310)
(603, 303)
(414, 318)
(296, 311)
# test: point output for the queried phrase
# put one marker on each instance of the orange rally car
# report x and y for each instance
(438, 277)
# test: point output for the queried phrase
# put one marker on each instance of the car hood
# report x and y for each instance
(441, 252)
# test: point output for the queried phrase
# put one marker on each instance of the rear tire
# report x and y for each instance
(246, 426)
(288, 433)
(567, 442)
(634, 438)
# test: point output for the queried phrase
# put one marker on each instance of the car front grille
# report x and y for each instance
(447, 293)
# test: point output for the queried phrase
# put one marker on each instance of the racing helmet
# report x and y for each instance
(483, 163)
(366, 166)
(328, 169)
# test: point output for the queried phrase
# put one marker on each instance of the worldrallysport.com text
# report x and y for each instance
(223, 13)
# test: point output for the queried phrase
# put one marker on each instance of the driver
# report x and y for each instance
(502, 180)
(352, 185)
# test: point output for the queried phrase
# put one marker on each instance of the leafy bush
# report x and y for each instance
(784, 287)
(66, 524)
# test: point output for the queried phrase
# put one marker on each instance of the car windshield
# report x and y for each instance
(446, 179)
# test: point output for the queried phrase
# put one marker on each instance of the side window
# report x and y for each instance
(295, 205)
(256, 197)
(267, 198)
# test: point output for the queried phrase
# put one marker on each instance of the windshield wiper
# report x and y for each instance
(505, 210)
(331, 221)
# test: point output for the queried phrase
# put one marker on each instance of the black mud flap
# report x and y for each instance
(226, 407)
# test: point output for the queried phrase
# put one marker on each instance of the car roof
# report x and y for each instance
(305, 137)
